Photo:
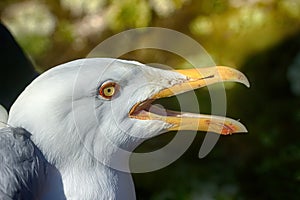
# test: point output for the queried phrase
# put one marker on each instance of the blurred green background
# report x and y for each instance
(259, 37)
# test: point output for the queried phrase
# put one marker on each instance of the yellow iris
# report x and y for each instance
(109, 91)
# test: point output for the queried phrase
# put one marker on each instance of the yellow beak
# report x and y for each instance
(195, 78)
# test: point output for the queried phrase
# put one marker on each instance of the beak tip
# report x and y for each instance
(246, 82)
(241, 129)
(233, 127)
(234, 75)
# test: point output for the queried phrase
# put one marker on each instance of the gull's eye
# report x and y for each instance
(108, 90)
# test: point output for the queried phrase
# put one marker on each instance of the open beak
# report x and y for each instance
(195, 78)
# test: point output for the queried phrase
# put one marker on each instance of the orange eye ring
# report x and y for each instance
(108, 90)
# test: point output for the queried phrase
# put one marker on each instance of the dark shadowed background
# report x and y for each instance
(261, 38)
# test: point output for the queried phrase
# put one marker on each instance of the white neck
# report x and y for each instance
(97, 182)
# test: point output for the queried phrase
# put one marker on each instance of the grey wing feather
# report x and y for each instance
(22, 165)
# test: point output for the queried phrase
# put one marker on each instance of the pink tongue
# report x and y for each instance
(158, 109)
(161, 111)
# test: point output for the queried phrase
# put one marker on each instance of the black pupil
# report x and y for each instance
(108, 90)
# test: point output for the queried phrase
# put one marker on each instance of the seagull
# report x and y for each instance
(69, 125)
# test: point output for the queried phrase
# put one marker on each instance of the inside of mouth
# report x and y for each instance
(149, 109)
(151, 106)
